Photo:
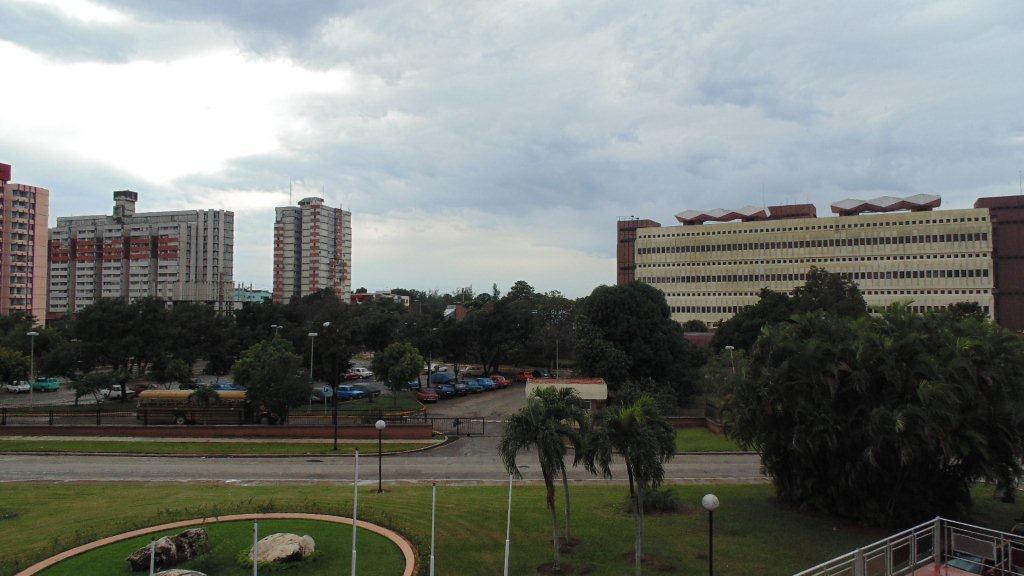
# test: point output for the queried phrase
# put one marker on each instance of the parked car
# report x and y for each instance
(439, 378)
(461, 388)
(501, 381)
(473, 370)
(427, 395)
(321, 394)
(413, 385)
(228, 387)
(46, 385)
(115, 393)
(522, 377)
(435, 367)
(358, 373)
(191, 384)
(349, 392)
(542, 374)
(367, 391)
(488, 384)
(445, 391)
(17, 387)
(475, 386)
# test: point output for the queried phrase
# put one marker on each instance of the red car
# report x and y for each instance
(427, 395)
(501, 381)
(522, 377)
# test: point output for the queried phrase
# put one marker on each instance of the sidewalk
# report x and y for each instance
(219, 440)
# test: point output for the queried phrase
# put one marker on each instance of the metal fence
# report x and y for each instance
(461, 426)
(939, 542)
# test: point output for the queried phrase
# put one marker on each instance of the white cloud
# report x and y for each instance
(82, 10)
(161, 120)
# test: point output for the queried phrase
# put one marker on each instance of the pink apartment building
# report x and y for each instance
(24, 211)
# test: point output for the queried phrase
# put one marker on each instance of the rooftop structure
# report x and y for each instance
(592, 390)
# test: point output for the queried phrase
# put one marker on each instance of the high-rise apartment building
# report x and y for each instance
(180, 256)
(713, 264)
(312, 250)
(24, 211)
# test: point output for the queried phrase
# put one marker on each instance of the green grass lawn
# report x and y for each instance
(199, 448)
(703, 440)
(406, 401)
(754, 534)
(378, 556)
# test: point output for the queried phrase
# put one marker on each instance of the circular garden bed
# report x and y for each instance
(381, 552)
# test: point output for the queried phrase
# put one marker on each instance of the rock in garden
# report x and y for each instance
(172, 550)
(177, 572)
(281, 547)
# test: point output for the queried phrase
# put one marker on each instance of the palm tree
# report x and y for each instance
(566, 406)
(203, 396)
(645, 439)
(536, 426)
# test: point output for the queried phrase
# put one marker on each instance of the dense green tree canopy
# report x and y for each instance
(627, 332)
(886, 419)
(272, 374)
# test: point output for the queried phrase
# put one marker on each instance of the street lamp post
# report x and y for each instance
(380, 425)
(732, 359)
(312, 341)
(334, 402)
(32, 363)
(710, 503)
(277, 329)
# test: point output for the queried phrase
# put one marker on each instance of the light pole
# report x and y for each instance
(710, 503)
(334, 400)
(312, 340)
(277, 329)
(32, 363)
(380, 426)
(732, 359)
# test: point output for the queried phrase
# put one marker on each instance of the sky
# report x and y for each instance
(488, 142)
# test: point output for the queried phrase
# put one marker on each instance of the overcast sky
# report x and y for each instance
(494, 141)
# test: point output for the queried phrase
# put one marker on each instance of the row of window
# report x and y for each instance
(834, 259)
(802, 276)
(736, 309)
(821, 243)
(719, 230)
(914, 292)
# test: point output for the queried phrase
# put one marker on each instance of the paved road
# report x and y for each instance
(494, 405)
(467, 460)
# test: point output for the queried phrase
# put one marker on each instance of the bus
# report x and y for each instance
(179, 407)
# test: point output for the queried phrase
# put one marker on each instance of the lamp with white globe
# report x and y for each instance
(710, 503)
(380, 425)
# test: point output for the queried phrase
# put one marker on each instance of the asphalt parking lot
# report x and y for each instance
(494, 405)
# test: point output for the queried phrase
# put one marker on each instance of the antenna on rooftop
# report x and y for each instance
(1020, 181)
(289, 192)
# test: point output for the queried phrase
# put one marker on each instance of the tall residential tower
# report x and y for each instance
(180, 256)
(24, 211)
(312, 250)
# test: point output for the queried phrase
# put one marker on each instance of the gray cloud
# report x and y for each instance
(549, 121)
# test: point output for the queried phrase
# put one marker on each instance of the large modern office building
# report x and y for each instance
(24, 211)
(312, 250)
(180, 256)
(713, 264)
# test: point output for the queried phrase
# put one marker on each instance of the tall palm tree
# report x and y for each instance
(537, 427)
(566, 406)
(645, 440)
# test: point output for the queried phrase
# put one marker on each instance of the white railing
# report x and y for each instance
(935, 542)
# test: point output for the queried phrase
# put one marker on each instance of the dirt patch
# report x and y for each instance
(565, 568)
(651, 561)
(567, 546)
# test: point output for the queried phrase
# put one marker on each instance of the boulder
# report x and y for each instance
(172, 550)
(282, 547)
(177, 572)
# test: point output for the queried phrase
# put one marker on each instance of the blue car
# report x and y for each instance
(349, 392)
(413, 385)
(228, 387)
(488, 384)
(445, 391)
(475, 386)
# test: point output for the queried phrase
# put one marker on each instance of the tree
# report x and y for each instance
(645, 440)
(632, 325)
(889, 420)
(397, 364)
(822, 290)
(13, 365)
(92, 384)
(694, 326)
(565, 406)
(271, 372)
(166, 371)
(535, 428)
(204, 396)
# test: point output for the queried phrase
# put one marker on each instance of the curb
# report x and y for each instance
(403, 543)
(447, 440)
(723, 453)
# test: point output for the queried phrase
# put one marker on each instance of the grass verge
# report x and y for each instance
(754, 535)
(197, 448)
(703, 440)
